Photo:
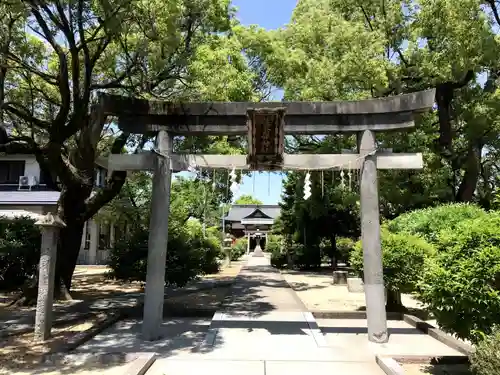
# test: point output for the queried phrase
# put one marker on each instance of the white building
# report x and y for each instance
(23, 192)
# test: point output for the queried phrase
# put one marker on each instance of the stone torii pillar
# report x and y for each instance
(370, 238)
(158, 239)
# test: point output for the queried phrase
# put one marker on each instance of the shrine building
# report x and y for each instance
(251, 220)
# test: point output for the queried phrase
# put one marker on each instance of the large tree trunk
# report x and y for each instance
(67, 256)
(470, 179)
(72, 210)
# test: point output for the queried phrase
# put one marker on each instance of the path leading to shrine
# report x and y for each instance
(263, 328)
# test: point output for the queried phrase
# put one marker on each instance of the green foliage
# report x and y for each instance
(247, 199)
(274, 243)
(486, 358)
(345, 246)
(404, 258)
(188, 256)
(19, 252)
(239, 248)
(278, 259)
(304, 257)
(274, 246)
(308, 226)
(462, 286)
(429, 222)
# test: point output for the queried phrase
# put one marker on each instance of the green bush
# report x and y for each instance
(188, 256)
(404, 258)
(278, 259)
(274, 243)
(345, 246)
(305, 256)
(486, 359)
(19, 252)
(239, 248)
(462, 286)
(429, 222)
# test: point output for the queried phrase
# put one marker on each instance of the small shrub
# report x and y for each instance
(274, 243)
(278, 259)
(305, 257)
(239, 248)
(19, 252)
(486, 359)
(345, 246)
(429, 222)
(404, 259)
(462, 286)
(187, 257)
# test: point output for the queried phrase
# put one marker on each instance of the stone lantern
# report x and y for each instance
(227, 243)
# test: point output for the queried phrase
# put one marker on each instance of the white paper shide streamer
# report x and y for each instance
(307, 186)
(235, 187)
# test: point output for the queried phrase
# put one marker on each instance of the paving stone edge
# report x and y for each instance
(390, 364)
(439, 335)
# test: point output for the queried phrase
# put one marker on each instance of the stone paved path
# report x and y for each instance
(262, 328)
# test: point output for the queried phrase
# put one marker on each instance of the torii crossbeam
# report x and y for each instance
(266, 124)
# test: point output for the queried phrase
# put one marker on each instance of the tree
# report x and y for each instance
(247, 199)
(335, 50)
(329, 213)
(57, 56)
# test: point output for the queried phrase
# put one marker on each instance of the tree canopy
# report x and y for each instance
(247, 199)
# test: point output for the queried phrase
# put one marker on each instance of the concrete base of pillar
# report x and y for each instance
(258, 252)
(355, 285)
(340, 277)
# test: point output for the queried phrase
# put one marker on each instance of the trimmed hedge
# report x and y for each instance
(462, 286)
(404, 258)
(429, 222)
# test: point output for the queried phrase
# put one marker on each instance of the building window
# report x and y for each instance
(86, 246)
(100, 177)
(11, 170)
(104, 236)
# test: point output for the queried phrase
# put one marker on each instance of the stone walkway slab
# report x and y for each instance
(180, 336)
(259, 289)
(253, 367)
(342, 334)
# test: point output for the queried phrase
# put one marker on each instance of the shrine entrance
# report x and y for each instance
(266, 124)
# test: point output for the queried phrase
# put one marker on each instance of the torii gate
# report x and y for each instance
(266, 124)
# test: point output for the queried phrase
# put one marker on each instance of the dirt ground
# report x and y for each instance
(318, 293)
(425, 369)
(91, 283)
(21, 352)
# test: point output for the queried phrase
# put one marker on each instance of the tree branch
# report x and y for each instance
(63, 77)
(113, 186)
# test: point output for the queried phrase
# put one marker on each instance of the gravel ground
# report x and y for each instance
(318, 293)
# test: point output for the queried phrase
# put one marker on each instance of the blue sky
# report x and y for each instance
(269, 14)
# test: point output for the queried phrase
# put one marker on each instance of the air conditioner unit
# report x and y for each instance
(27, 182)
(24, 181)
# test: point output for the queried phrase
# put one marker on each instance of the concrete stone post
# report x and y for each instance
(49, 225)
(248, 243)
(158, 239)
(370, 236)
